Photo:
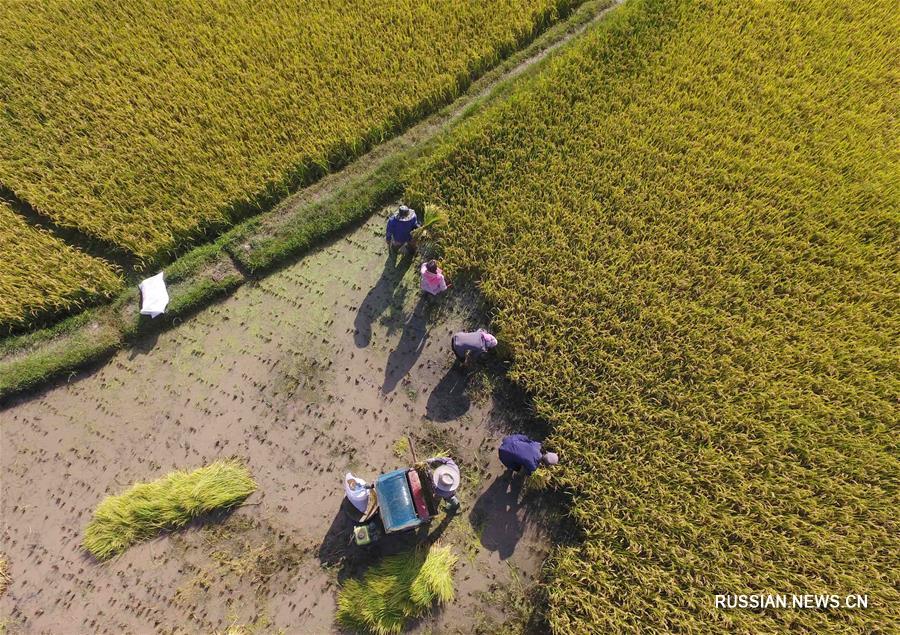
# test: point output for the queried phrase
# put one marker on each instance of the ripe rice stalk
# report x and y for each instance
(433, 225)
(41, 275)
(150, 123)
(5, 577)
(168, 503)
(687, 223)
(398, 589)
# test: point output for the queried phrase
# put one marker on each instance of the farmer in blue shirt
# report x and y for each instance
(519, 452)
(400, 227)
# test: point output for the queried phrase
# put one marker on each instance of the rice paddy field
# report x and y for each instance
(41, 274)
(682, 224)
(145, 125)
(688, 224)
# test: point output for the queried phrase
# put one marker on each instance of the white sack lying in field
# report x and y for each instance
(154, 296)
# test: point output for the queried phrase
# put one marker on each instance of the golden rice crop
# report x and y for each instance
(145, 123)
(167, 503)
(5, 578)
(40, 274)
(688, 223)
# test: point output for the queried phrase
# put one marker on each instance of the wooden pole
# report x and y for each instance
(412, 449)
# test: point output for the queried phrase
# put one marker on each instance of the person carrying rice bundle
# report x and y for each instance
(399, 231)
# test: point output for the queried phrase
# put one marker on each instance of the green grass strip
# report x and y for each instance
(398, 589)
(168, 503)
(267, 241)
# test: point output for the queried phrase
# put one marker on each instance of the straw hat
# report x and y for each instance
(446, 478)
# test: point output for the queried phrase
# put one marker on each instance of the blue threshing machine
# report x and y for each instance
(398, 501)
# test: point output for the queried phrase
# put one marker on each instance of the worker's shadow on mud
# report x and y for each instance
(386, 292)
(498, 515)
(337, 544)
(450, 400)
(412, 341)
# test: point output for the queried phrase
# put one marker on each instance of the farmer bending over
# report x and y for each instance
(518, 452)
(400, 227)
(445, 478)
(466, 345)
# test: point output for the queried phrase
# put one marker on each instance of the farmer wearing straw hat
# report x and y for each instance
(446, 478)
(518, 452)
(466, 345)
(399, 231)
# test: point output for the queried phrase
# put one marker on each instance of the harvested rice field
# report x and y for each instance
(319, 369)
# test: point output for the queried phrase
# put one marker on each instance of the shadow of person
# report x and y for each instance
(412, 341)
(449, 399)
(497, 514)
(380, 297)
(337, 544)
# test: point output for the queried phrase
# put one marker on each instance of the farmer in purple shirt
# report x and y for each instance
(400, 228)
(519, 452)
(466, 345)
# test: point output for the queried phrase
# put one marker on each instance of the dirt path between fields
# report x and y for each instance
(316, 370)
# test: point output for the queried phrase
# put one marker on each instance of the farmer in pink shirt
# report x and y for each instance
(433, 280)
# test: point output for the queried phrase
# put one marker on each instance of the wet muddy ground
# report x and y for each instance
(320, 368)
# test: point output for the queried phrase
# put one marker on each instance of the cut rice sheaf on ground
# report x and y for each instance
(397, 590)
(168, 503)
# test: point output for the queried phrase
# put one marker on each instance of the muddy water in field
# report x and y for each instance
(316, 370)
